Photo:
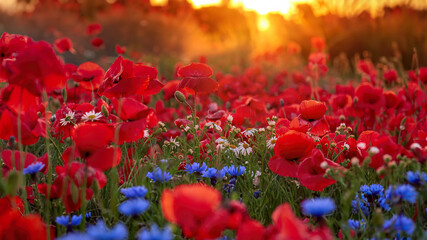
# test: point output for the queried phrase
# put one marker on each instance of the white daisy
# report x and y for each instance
(212, 125)
(91, 116)
(245, 148)
(146, 133)
(249, 132)
(271, 143)
(174, 142)
(234, 149)
(69, 118)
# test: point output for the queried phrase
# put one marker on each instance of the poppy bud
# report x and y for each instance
(312, 110)
(104, 111)
(180, 97)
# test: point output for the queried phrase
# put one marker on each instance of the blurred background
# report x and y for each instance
(227, 33)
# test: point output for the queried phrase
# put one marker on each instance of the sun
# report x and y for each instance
(266, 6)
(263, 23)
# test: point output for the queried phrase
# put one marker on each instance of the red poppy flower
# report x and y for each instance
(19, 99)
(250, 230)
(37, 68)
(423, 75)
(312, 110)
(64, 45)
(120, 49)
(14, 226)
(369, 97)
(92, 140)
(189, 206)
(196, 76)
(94, 29)
(69, 182)
(290, 149)
(390, 76)
(12, 160)
(97, 42)
(310, 173)
(124, 79)
(89, 75)
(318, 43)
(286, 225)
(9, 203)
(31, 129)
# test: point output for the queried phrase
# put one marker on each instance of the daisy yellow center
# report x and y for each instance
(91, 116)
(245, 145)
(232, 146)
(273, 141)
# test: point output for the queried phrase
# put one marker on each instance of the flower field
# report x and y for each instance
(281, 149)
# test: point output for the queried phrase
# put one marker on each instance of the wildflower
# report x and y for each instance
(245, 148)
(69, 118)
(249, 132)
(416, 178)
(174, 142)
(213, 173)
(34, 168)
(271, 143)
(191, 207)
(221, 142)
(196, 76)
(361, 145)
(318, 207)
(399, 223)
(134, 207)
(371, 196)
(230, 118)
(101, 232)
(233, 171)
(256, 180)
(156, 234)
(134, 192)
(356, 225)
(234, 149)
(69, 221)
(157, 175)
(91, 116)
(401, 193)
(312, 110)
(195, 168)
(213, 125)
(256, 194)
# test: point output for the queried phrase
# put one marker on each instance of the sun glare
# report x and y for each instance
(263, 23)
(264, 7)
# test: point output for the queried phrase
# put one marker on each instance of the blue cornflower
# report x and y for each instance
(88, 215)
(399, 223)
(416, 178)
(156, 234)
(371, 196)
(360, 203)
(75, 236)
(356, 225)
(318, 207)
(34, 168)
(157, 175)
(213, 173)
(101, 232)
(69, 221)
(235, 171)
(401, 193)
(256, 194)
(134, 192)
(195, 168)
(133, 207)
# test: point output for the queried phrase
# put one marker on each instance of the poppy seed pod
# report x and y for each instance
(180, 97)
(312, 110)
